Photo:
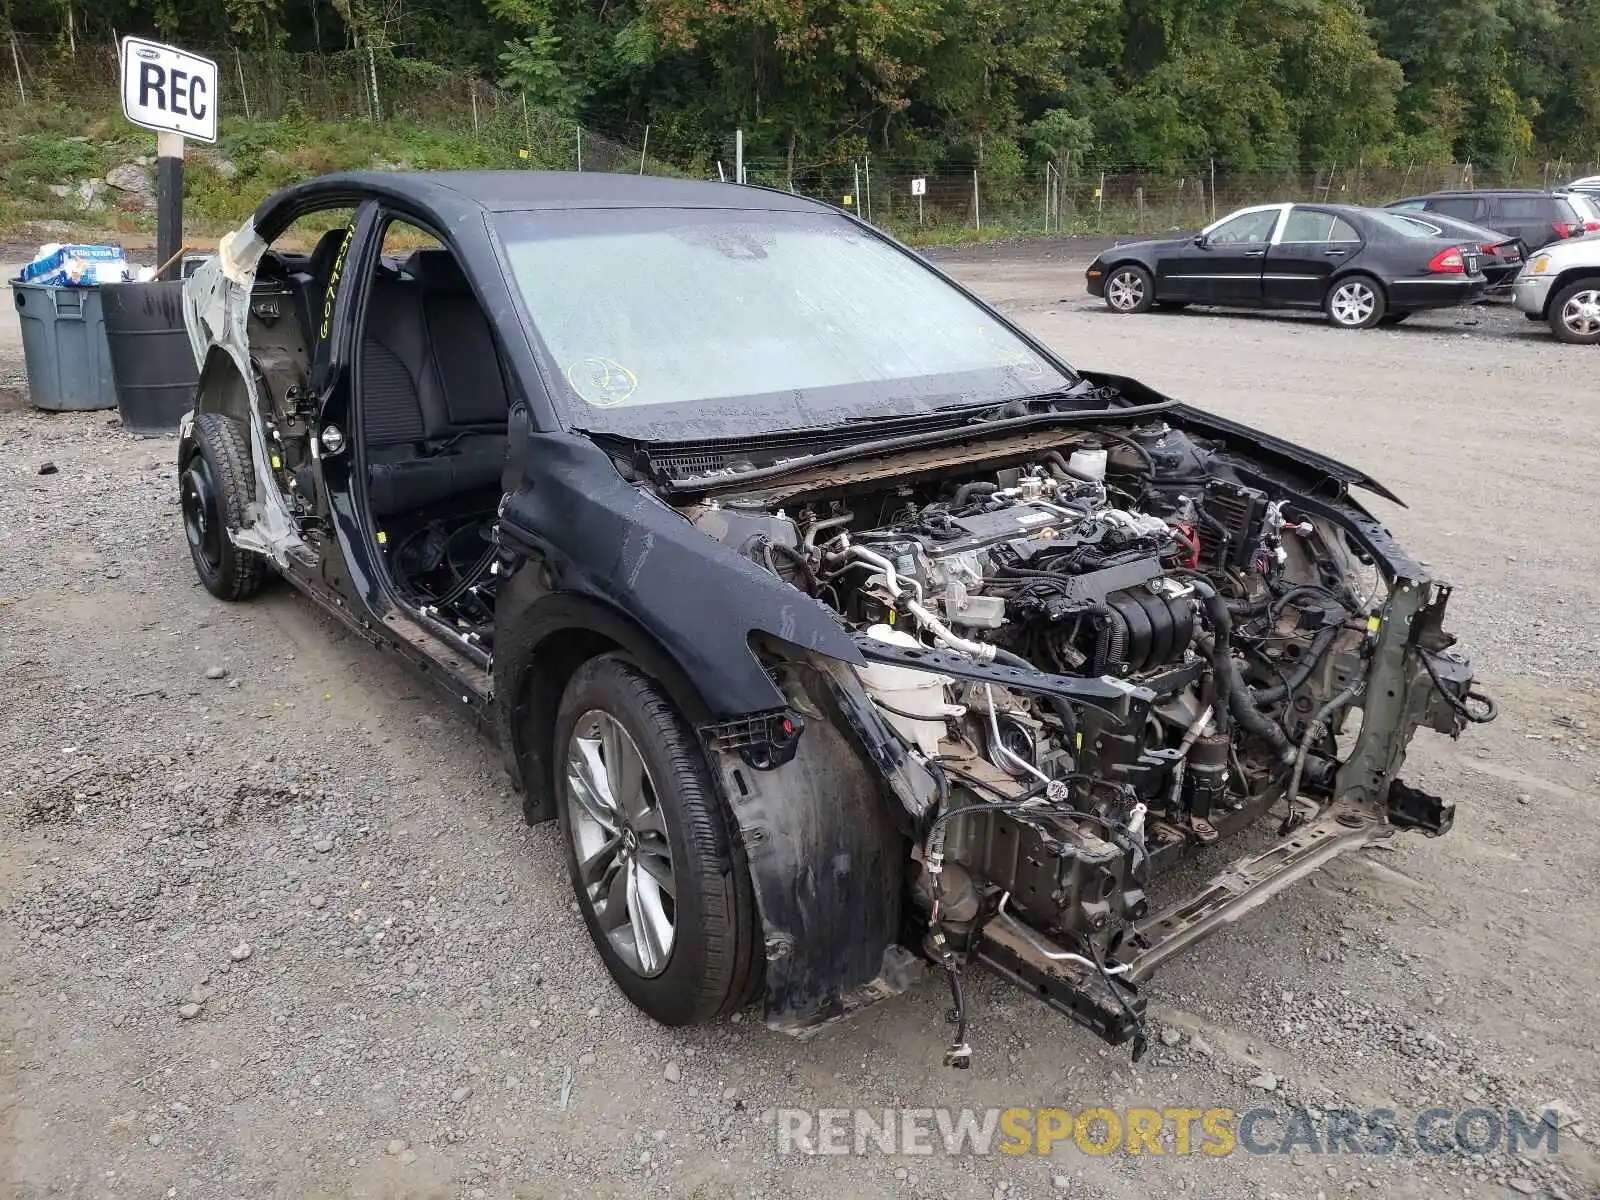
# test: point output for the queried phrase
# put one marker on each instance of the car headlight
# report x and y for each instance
(1540, 264)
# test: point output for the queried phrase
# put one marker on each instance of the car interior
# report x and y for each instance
(433, 406)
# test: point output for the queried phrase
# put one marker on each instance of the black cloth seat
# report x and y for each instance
(434, 405)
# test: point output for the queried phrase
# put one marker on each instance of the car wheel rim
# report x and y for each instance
(1353, 303)
(1581, 313)
(200, 524)
(1125, 291)
(619, 838)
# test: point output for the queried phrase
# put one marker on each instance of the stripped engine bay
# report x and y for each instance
(1105, 657)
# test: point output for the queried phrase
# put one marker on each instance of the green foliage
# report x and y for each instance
(1163, 85)
(1058, 134)
(44, 158)
(533, 66)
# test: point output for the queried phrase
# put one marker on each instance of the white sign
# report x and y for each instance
(169, 90)
(919, 187)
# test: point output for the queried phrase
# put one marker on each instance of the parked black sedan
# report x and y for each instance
(1500, 255)
(1361, 266)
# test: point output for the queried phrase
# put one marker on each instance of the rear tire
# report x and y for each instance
(661, 884)
(216, 486)
(1575, 313)
(1129, 289)
(1354, 302)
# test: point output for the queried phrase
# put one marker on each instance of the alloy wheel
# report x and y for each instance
(1581, 313)
(1125, 290)
(620, 841)
(1353, 303)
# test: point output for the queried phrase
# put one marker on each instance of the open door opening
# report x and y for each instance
(432, 411)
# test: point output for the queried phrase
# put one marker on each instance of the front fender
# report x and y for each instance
(593, 535)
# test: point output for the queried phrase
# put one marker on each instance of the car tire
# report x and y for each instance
(1354, 302)
(669, 905)
(1129, 289)
(1575, 312)
(216, 486)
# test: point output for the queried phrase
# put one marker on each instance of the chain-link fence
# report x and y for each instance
(349, 85)
(1113, 198)
(919, 200)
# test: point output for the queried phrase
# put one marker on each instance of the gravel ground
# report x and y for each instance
(271, 925)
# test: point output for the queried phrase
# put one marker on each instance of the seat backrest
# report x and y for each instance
(396, 367)
(471, 385)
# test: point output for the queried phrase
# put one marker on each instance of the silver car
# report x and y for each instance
(1561, 284)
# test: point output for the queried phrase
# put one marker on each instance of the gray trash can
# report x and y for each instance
(150, 354)
(64, 347)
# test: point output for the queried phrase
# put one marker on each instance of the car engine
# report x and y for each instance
(1141, 571)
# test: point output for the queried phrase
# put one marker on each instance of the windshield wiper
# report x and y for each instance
(954, 410)
(1044, 402)
(1021, 406)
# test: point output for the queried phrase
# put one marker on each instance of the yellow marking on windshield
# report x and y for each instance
(602, 382)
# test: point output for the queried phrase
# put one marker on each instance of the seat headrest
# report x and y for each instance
(437, 271)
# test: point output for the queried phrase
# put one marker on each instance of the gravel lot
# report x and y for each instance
(271, 924)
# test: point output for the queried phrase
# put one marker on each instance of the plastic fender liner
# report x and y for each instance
(827, 864)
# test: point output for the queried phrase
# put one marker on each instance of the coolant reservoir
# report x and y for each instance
(1088, 464)
(918, 694)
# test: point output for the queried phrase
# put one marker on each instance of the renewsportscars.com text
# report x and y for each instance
(1216, 1132)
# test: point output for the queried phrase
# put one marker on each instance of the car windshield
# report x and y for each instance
(683, 324)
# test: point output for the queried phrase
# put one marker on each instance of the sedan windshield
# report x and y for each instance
(686, 324)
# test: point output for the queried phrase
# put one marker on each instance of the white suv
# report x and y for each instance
(1561, 284)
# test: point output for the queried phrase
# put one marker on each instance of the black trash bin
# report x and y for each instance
(151, 359)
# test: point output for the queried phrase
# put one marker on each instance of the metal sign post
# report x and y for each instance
(174, 93)
(919, 189)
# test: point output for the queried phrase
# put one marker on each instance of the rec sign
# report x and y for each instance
(169, 90)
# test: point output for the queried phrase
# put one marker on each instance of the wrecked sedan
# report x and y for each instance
(844, 628)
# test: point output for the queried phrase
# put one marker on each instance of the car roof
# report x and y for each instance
(502, 191)
(1445, 193)
(451, 195)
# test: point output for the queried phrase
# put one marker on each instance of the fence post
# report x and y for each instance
(977, 211)
(579, 130)
(244, 95)
(16, 61)
(644, 148)
(372, 68)
(1047, 197)
(738, 156)
(866, 179)
(1100, 202)
(1213, 189)
(1138, 195)
(472, 92)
